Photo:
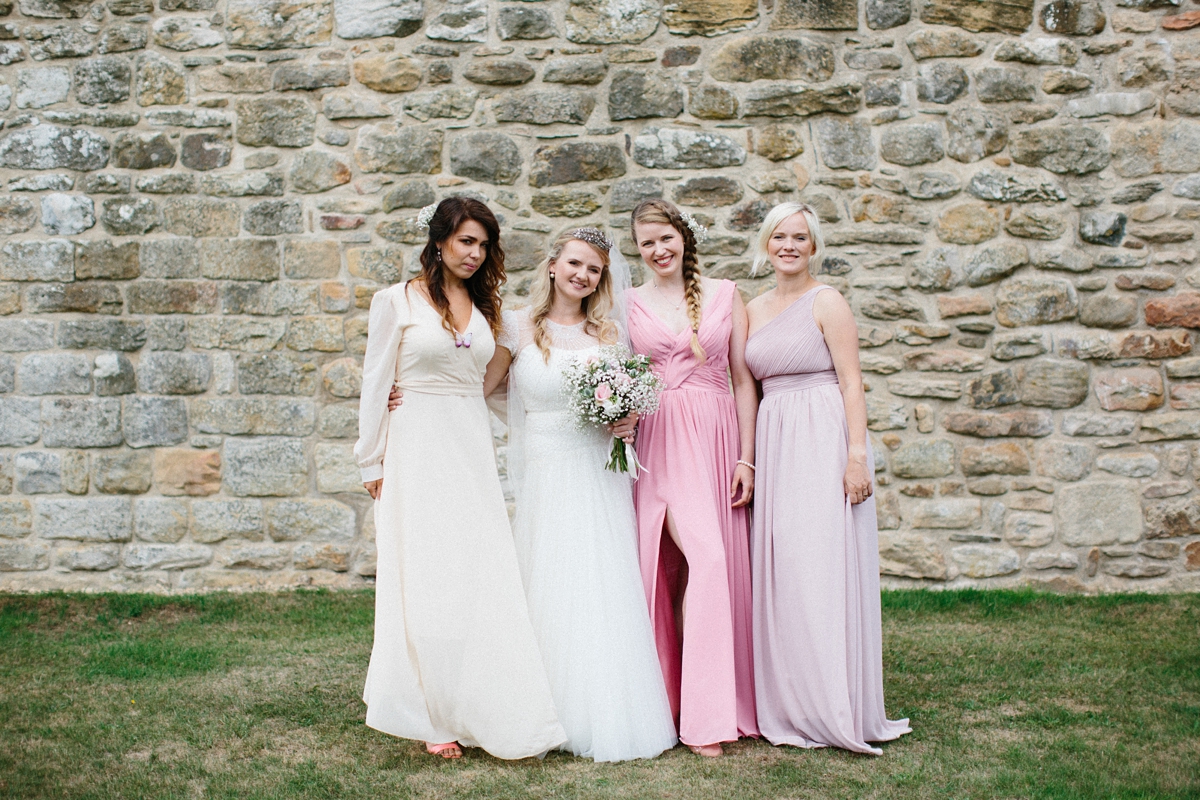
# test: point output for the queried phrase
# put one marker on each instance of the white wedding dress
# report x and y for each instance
(576, 541)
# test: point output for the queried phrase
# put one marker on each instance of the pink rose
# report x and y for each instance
(603, 392)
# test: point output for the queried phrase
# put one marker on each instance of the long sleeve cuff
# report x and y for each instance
(374, 472)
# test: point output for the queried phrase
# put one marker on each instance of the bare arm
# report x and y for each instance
(497, 370)
(835, 319)
(745, 397)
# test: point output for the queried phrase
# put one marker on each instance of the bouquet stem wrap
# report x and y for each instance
(624, 458)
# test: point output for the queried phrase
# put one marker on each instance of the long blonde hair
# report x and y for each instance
(597, 307)
(655, 211)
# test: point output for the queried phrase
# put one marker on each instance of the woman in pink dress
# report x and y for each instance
(698, 450)
(818, 644)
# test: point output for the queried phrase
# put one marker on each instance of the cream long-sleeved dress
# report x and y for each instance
(455, 657)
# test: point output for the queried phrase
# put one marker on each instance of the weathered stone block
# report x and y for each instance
(910, 145)
(261, 556)
(1035, 301)
(565, 202)
(129, 216)
(941, 83)
(160, 520)
(259, 416)
(310, 520)
(932, 458)
(21, 557)
(88, 559)
(96, 519)
(165, 556)
(1072, 17)
(911, 555)
(311, 259)
(187, 472)
(274, 24)
(17, 335)
(1062, 149)
(217, 520)
(327, 556)
(240, 259)
(536, 106)
(1129, 465)
(142, 151)
(342, 378)
(994, 389)
(1054, 384)
(601, 22)
(266, 467)
(515, 22)
(155, 421)
(49, 260)
(1001, 458)
(941, 388)
(38, 472)
(1138, 389)
(278, 122)
(276, 373)
(55, 373)
(970, 223)
(1098, 513)
(986, 424)
(123, 472)
(337, 470)
(575, 161)
(789, 98)
(943, 361)
(274, 217)
(174, 373)
(81, 422)
(1066, 461)
(16, 518)
(54, 147)
(947, 513)
(845, 144)
(626, 194)
(338, 421)
(168, 297)
(463, 21)
(385, 148)
(584, 70)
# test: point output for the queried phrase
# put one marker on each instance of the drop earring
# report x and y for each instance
(551, 276)
(439, 255)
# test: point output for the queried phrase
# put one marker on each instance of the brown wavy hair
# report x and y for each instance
(656, 211)
(484, 286)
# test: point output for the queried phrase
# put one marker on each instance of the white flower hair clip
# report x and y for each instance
(424, 215)
(698, 231)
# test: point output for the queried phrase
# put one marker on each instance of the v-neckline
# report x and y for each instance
(789, 307)
(430, 306)
(662, 324)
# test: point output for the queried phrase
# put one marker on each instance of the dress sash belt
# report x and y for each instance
(777, 384)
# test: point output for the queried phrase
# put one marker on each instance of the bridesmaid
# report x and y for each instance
(698, 449)
(818, 645)
(455, 659)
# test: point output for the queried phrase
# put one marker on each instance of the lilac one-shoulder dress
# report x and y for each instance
(818, 642)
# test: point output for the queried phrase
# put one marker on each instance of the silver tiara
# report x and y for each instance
(698, 231)
(593, 236)
(424, 215)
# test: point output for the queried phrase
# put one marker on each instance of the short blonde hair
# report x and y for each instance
(774, 218)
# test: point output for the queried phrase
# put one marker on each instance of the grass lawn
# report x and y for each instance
(257, 696)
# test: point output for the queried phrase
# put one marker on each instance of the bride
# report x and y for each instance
(575, 528)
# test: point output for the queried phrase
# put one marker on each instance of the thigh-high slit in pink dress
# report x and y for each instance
(690, 448)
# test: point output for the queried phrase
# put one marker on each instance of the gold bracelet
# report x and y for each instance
(746, 464)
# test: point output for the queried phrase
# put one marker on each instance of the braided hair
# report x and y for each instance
(657, 211)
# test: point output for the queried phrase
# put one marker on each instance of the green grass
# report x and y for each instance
(1011, 694)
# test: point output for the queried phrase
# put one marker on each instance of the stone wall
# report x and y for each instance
(201, 196)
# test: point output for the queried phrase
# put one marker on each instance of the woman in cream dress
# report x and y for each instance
(455, 659)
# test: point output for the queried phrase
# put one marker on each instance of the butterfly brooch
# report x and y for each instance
(462, 339)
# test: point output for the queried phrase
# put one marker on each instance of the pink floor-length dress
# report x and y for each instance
(818, 642)
(690, 448)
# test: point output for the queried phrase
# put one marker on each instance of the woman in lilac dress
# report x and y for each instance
(818, 651)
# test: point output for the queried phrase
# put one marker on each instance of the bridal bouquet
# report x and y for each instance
(604, 388)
